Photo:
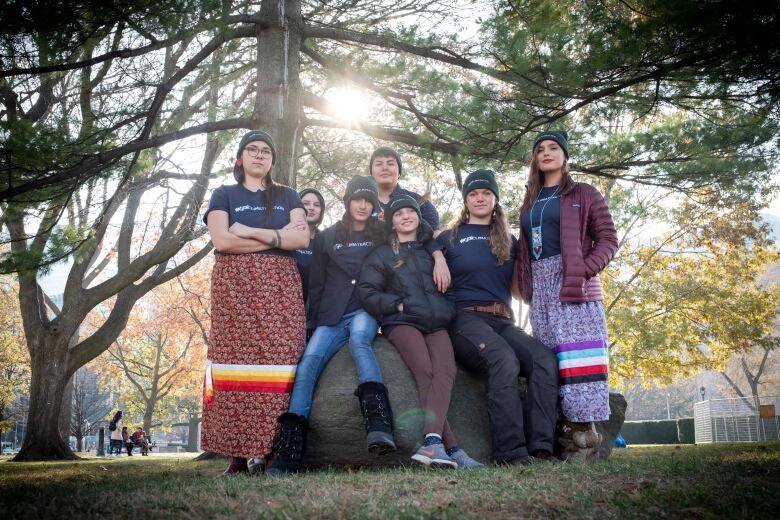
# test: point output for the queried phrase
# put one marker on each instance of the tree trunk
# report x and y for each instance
(67, 411)
(148, 412)
(278, 101)
(79, 444)
(43, 439)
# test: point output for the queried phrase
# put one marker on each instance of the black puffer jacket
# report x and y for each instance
(382, 287)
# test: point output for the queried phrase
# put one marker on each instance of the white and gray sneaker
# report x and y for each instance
(255, 466)
(434, 456)
(464, 461)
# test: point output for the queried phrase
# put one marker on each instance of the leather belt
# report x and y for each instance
(497, 309)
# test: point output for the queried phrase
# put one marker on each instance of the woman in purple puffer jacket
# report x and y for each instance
(567, 238)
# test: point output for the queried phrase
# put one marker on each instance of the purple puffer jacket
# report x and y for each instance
(588, 243)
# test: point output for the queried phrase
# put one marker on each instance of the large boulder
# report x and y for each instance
(337, 435)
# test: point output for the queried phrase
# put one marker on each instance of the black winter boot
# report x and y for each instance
(377, 416)
(291, 445)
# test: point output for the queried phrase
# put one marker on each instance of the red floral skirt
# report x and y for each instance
(258, 333)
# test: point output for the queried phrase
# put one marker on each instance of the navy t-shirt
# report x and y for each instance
(303, 261)
(477, 279)
(550, 220)
(353, 255)
(249, 208)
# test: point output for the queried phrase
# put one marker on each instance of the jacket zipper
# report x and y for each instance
(422, 282)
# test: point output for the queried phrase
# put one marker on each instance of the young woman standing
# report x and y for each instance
(314, 204)
(397, 287)
(337, 316)
(258, 323)
(567, 239)
(480, 252)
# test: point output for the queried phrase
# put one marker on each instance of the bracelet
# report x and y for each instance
(278, 238)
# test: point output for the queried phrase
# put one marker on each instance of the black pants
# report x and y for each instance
(495, 346)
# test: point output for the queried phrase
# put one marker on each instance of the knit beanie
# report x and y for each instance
(561, 137)
(401, 201)
(384, 151)
(257, 135)
(362, 187)
(319, 196)
(480, 179)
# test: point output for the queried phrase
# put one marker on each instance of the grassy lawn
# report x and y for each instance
(732, 481)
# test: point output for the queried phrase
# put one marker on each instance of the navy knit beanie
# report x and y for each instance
(384, 151)
(560, 137)
(257, 135)
(362, 187)
(401, 201)
(480, 179)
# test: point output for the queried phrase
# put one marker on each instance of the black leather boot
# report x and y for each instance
(291, 445)
(377, 416)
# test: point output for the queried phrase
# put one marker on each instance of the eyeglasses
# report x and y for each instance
(254, 151)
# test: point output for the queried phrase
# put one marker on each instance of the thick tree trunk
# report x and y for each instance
(43, 439)
(277, 105)
(66, 412)
(148, 412)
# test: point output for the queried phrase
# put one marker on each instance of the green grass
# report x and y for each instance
(731, 481)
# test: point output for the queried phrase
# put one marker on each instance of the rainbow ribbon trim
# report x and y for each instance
(247, 378)
(582, 362)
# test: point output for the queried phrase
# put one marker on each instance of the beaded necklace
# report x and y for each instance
(536, 232)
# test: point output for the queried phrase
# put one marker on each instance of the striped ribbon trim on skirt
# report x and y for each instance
(247, 378)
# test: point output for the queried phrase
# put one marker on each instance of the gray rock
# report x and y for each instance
(610, 429)
(337, 436)
(336, 433)
(568, 448)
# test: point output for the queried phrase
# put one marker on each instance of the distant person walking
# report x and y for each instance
(115, 427)
(567, 238)
(258, 324)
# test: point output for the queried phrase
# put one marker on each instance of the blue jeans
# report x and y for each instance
(359, 328)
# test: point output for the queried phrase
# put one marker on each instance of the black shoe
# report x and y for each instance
(525, 460)
(291, 445)
(545, 456)
(377, 417)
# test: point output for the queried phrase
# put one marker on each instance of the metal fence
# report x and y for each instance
(739, 419)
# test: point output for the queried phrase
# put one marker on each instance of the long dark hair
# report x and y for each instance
(272, 188)
(375, 230)
(536, 180)
(499, 236)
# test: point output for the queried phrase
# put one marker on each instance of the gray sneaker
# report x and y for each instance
(256, 466)
(434, 456)
(464, 461)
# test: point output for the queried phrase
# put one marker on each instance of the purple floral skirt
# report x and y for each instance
(577, 334)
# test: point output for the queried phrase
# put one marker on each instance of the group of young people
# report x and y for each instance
(286, 297)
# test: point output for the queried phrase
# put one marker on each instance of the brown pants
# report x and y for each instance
(432, 363)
